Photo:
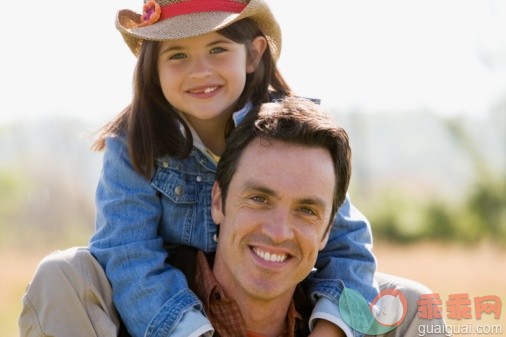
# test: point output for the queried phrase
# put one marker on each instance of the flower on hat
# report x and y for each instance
(150, 13)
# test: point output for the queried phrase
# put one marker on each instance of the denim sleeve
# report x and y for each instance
(150, 295)
(347, 259)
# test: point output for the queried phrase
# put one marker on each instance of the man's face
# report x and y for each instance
(277, 209)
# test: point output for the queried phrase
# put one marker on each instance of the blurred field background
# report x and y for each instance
(419, 85)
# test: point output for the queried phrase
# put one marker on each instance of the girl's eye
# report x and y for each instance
(217, 50)
(178, 56)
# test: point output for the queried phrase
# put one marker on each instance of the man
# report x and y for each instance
(279, 184)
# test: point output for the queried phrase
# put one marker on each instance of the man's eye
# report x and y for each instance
(307, 211)
(258, 199)
(178, 56)
(217, 50)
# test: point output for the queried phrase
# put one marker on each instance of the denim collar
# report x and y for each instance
(237, 117)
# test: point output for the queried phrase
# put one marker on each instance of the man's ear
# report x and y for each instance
(258, 46)
(216, 204)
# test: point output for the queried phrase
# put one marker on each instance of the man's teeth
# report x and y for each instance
(270, 257)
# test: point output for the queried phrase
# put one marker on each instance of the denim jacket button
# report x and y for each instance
(165, 164)
(199, 179)
(178, 190)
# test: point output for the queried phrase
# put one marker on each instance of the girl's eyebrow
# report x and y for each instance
(219, 41)
(172, 48)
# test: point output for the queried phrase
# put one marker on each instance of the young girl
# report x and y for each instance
(202, 64)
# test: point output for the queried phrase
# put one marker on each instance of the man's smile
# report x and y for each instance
(270, 257)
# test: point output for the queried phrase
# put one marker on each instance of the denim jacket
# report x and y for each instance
(136, 217)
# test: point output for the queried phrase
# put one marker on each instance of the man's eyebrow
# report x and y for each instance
(253, 186)
(310, 201)
(316, 201)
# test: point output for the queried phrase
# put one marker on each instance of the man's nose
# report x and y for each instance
(200, 68)
(278, 226)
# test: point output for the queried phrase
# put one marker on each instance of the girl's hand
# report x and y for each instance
(324, 328)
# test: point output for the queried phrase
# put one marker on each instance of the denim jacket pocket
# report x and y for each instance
(179, 187)
(185, 195)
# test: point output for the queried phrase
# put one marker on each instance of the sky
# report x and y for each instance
(444, 56)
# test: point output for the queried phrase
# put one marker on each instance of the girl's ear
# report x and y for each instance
(258, 46)
(216, 204)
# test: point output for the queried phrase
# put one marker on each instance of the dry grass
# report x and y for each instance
(451, 269)
(446, 270)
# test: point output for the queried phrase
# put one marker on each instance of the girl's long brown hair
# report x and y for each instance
(150, 123)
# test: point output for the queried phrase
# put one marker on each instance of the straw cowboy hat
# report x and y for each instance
(177, 19)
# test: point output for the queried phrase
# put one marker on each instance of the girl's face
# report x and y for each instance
(202, 77)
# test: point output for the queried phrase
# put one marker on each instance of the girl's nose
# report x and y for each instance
(200, 69)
